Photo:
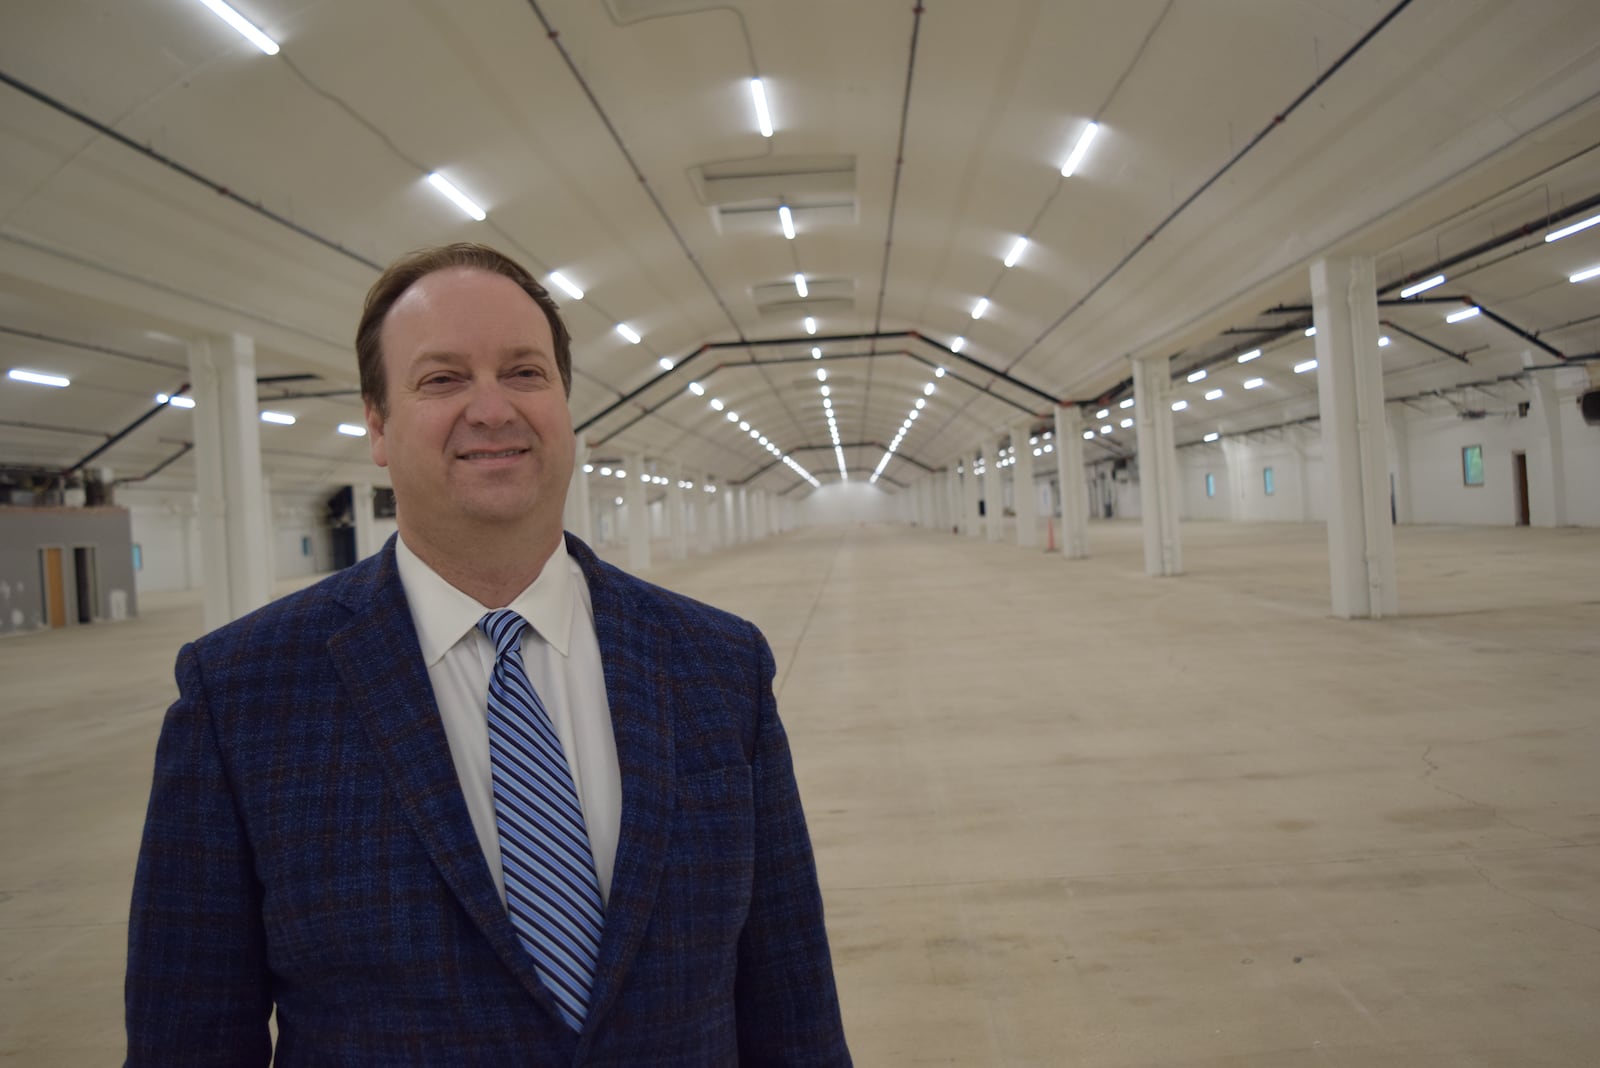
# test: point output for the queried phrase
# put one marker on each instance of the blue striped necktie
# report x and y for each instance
(552, 894)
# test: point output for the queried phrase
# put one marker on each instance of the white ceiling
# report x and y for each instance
(1450, 123)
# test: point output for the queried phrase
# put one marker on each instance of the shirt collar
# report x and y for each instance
(443, 615)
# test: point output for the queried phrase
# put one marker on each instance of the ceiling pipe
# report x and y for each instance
(1527, 228)
(1276, 121)
(167, 161)
(1395, 302)
(1414, 336)
(554, 36)
(155, 409)
(158, 468)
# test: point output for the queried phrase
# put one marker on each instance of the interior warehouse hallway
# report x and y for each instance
(1064, 814)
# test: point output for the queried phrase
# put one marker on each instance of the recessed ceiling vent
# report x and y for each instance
(824, 297)
(744, 195)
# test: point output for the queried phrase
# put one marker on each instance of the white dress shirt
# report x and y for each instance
(562, 656)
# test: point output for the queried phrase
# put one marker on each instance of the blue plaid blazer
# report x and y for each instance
(307, 849)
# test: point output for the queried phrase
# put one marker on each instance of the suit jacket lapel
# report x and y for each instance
(638, 693)
(380, 662)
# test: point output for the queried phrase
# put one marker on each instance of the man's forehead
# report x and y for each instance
(458, 297)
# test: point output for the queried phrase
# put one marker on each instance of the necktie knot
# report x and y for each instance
(503, 627)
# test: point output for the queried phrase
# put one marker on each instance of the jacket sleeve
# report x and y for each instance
(786, 1003)
(197, 990)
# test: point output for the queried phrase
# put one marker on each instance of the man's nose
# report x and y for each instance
(489, 405)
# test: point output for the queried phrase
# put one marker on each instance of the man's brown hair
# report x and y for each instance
(410, 269)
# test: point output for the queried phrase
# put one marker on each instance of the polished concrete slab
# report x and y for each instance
(1065, 814)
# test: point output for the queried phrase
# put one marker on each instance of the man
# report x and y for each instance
(479, 799)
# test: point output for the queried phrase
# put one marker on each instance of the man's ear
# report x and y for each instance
(375, 438)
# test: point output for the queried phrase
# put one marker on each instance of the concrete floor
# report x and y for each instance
(1064, 814)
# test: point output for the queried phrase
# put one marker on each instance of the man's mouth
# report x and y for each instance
(485, 454)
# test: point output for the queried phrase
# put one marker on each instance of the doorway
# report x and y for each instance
(1519, 472)
(88, 585)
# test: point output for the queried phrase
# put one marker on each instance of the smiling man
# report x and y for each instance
(481, 798)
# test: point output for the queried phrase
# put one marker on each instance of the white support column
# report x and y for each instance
(1023, 492)
(577, 515)
(1547, 459)
(636, 495)
(210, 504)
(705, 537)
(774, 514)
(361, 511)
(1236, 454)
(1074, 489)
(249, 530)
(1158, 466)
(1350, 397)
(677, 521)
(971, 492)
(711, 528)
(951, 518)
(993, 497)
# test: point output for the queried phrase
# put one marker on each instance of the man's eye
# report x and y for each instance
(437, 380)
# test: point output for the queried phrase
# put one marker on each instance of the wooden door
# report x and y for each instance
(55, 587)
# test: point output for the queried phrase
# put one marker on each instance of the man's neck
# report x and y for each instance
(491, 569)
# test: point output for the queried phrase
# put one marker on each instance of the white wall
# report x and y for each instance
(845, 503)
(1433, 438)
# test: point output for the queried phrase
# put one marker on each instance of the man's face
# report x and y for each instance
(478, 438)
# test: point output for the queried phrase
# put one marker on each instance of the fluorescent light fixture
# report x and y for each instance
(1246, 357)
(716, 404)
(811, 325)
(1088, 435)
(1213, 436)
(958, 344)
(665, 364)
(938, 372)
(754, 433)
(1425, 285)
(646, 478)
(1085, 139)
(566, 285)
(816, 352)
(1384, 342)
(758, 93)
(1017, 249)
(825, 390)
(1568, 231)
(1311, 331)
(1179, 406)
(733, 417)
(979, 308)
(1587, 273)
(1106, 429)
(822, 374)
(1215, 394)
(786, 219)
(1126, 423)
(1197, 376)
(1254, 383)
(697, 389)
(177, 402)
(606, 472)
(619, 502)
(39, 378)
(800, 284)
(1302, 368)
(927, 390)
(628, 332)
(281, 418)
(1102, 413)
(913, 414)
(456, 196)
(588, 469)
(1463, 315)
(1038, 452)
(1127, 403)
(351, 430)
(921, 404)
(744, 426)
(242, 26)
